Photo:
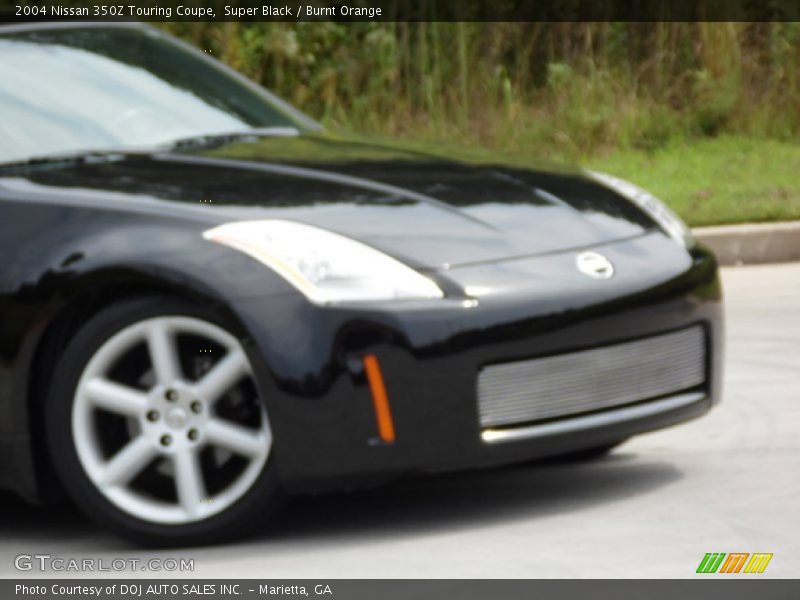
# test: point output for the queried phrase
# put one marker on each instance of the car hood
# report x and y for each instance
(428, 210)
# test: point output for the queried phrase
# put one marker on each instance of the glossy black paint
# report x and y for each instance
(425, 210)
(75, 235)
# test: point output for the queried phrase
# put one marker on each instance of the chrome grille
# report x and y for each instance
(590, 380)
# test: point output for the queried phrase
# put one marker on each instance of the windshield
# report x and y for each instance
(88, 89)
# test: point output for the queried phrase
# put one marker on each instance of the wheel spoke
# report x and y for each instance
(128, 462)
(237, 439)
(189, 481)
(163, 354)
(116, 398)
(223, 376)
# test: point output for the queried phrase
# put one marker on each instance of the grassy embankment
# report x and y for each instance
(717, 181)
(706, 115)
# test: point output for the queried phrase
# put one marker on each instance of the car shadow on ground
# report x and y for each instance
(474, 498)
(404, 508)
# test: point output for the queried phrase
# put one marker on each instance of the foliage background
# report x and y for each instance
(630, 96)
(570, 89)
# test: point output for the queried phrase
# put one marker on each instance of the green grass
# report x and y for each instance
(717, 181)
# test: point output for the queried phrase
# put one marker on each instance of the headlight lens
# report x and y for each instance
(671, 223)
(325, 266)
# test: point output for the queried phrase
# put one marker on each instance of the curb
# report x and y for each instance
(752, 243)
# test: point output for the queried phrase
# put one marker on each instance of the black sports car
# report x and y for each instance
(206, 300)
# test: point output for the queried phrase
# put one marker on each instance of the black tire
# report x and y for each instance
(250, 511)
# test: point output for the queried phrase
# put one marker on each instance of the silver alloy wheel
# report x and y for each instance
(170, 423)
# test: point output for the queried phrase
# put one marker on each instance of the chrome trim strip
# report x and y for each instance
(610, 417)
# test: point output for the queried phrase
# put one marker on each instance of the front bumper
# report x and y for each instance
(321, 408)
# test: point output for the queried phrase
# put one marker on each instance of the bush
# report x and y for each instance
(566, 90)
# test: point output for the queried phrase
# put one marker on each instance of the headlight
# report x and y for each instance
(660, 212)
(325, 266)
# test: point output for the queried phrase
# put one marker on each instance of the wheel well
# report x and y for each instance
(59, 331)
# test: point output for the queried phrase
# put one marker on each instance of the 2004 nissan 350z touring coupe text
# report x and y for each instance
(207, 301)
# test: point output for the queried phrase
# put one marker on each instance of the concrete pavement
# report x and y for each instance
(753, 243)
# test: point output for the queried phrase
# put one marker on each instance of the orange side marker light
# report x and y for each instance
(380, 400)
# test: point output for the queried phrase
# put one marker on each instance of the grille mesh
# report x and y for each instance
(590, 380)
